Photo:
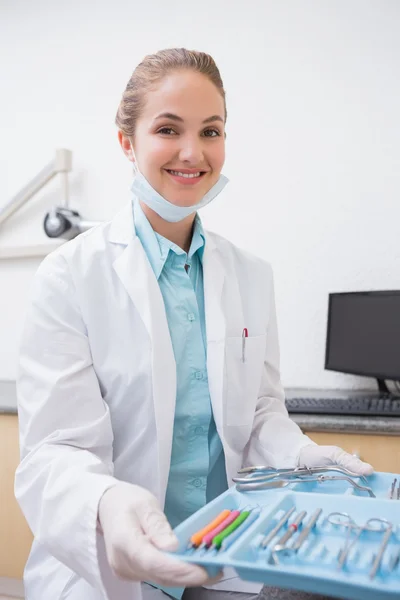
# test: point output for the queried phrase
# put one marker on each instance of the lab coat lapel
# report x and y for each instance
(137, 276)
(214, 277)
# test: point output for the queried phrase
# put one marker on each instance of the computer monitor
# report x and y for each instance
(363, 335)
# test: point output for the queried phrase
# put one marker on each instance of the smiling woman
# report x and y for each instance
(186, 139)
(149, 364)
(172, 125)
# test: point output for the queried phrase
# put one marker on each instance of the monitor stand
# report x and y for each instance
(383, 388)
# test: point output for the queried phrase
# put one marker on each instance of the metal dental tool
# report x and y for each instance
(393, 488)
(345, 520)
(296, 473)
(292, 528)
(277, 483)
(386, 538)
(395, 560)
(268, 485)
(306, 530)
(263, 468)
(395, 494)
(266, 540)
(362, 488)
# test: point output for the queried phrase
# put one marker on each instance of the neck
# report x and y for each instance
(179, 233)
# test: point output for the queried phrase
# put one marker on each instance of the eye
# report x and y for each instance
(167, 131)
(211, 132)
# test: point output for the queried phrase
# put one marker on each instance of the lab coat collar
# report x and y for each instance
(137, 276)
(156, 252)
(157, 247)
(123, 230)
(122, 227)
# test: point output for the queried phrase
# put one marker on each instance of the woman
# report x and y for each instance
(149, 362)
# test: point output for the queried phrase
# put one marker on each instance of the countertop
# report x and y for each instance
(342, 423)
(326, 423)
(348, 424)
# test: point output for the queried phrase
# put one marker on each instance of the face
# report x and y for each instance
(179, 141)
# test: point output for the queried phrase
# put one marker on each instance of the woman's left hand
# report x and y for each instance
(321, 456)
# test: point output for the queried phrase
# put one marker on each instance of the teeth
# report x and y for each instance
(187, 175)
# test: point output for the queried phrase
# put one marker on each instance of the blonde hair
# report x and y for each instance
(151, 70)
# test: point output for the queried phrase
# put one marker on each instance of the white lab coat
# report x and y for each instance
(97, 386)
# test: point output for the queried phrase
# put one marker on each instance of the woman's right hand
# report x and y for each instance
(136, 532)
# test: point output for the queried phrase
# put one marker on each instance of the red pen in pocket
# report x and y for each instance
(245, 334)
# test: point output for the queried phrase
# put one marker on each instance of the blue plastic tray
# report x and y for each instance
(314, 568)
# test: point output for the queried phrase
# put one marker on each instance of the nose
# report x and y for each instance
(191, 150)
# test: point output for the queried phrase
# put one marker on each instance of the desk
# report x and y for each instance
(381, 449)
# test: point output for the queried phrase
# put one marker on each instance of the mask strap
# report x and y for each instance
(135, 167)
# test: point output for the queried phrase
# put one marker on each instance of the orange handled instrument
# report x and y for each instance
(197, 537)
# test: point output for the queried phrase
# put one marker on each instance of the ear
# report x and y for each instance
(125, 143)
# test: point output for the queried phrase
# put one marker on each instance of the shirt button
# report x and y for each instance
(198, 430)
(191, 317)
(199, 375)
(197, 483)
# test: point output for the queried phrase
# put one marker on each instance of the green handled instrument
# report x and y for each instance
(217, 541)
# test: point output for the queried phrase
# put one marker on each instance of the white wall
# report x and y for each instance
(313, 140)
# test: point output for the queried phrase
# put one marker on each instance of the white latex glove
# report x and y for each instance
(136, 532)
(321, 456)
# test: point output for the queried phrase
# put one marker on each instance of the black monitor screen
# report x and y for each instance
(363, 335)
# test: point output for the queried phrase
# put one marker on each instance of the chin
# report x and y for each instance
(184, 198)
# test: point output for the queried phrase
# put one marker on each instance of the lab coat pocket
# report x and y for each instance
(243, 371)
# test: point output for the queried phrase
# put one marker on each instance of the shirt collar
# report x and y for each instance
(157, 247)
(198, 239)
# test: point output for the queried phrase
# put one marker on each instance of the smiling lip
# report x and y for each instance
(185, 176)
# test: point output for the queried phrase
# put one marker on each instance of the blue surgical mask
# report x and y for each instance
(165, 209)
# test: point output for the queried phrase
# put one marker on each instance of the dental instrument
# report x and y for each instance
(208, 538)
(276, 483)
(197, 537)
(267, 539)
(298, 471)
(218, 539)
(227, 543)
(385, 541)
(281, 543)
(306, 530)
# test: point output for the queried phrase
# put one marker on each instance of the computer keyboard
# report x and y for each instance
(379, 406)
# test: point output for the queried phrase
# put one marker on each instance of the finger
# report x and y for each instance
(358, 466)
(354, 464)
(119, 552)
(365, 468)
(156, 527)
(316, 456)
(216, 579)
(163, 569)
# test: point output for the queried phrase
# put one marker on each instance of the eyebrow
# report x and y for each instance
(173, 117)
